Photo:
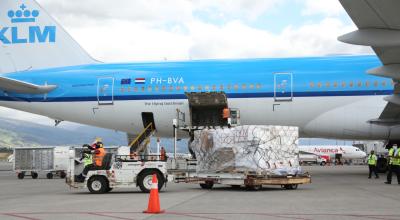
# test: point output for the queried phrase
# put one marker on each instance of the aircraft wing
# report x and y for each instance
(17, 86)
(378, 23)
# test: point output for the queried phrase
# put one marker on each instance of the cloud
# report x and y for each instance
(201, 40)
(157, 30)
(325, 7)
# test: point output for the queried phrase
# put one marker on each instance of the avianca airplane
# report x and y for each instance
(44, 71)
(347, 152)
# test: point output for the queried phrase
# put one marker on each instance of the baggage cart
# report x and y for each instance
(34, 160)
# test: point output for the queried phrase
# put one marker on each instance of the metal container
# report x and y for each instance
(33, 159)
(52, 160)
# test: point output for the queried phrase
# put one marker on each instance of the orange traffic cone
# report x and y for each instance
(154, 200)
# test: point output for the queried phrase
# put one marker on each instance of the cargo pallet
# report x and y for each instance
(252, 182)
(184, 171)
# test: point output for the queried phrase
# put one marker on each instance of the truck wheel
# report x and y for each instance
(34, 175)
(62, 174)
(145, 180)
(97, 185)
(49, 176)
(235, 186)
(207, 185)
(21, 175)
(253, 187)
(291, 186)
(323, 163)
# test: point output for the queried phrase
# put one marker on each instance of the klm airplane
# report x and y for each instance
(44, 71)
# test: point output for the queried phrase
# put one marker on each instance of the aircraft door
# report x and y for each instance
(105, 91)
(283, 87)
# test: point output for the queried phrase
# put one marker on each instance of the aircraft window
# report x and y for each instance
(251, 86)
(258, 86)
(383, 83)
(236, 87)
(207, 88)
(376, 84)
(312, 84)
(178, 88)
(142, 89)
(122, 90)
(229, 87)
(343, 84)
(149, 89)
(129, 89)
(359, 83)
(171, 88)
(357, 149)
(244, 86)
(351, 84)
(214, 87)
(367, 83)
(319, 85)
(335, 84)
(163, 88)
(192, 88)
(185, 88)
(221, 87)
(328, 84)
(135, 89)
(156, 88)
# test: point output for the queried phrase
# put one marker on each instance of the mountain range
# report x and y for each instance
(18, 133)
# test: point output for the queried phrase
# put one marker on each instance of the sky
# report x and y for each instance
(144, 30)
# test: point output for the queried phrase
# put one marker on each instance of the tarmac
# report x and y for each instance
(342, 192)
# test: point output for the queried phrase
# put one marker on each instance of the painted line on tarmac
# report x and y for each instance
(16, 215)
(109, 216)
(192, 215)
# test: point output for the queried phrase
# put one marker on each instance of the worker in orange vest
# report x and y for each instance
(98, 156)
(163, 154)
(226, 114)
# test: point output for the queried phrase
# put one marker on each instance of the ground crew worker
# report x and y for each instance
(390, 162)
(87, 157)
(372, 160)
(163, 154)
(98, 157)
(396, 165)
(226, 114)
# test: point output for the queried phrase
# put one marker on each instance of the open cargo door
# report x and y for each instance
(206, 108)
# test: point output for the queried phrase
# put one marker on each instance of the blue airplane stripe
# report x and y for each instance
(183, 96)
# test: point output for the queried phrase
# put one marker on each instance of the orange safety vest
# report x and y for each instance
(98, 156)
(225, 113)
(163, 155)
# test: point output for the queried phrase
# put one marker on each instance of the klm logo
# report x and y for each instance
(24, 34)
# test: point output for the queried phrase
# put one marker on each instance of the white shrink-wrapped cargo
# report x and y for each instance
(270, 150)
